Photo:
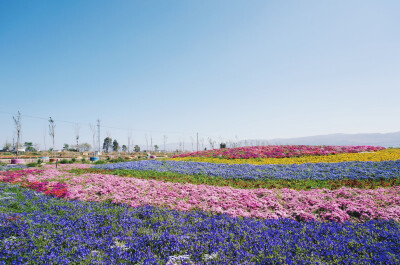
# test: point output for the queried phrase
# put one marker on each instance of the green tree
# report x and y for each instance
(85, 147)
(156, 148)
(137, 148)
(124, 148)
(66, 147)
(7, 147)
(29, 147)
(115, 146)
(107, 144)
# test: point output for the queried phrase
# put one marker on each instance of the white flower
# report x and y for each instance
(173, 259)
(210, 256)
(120, 244)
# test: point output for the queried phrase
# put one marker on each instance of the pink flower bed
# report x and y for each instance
(67, 166)
(29, 179)
(280, 151)
(345, 204)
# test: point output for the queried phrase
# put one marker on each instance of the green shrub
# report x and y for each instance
(33, 164)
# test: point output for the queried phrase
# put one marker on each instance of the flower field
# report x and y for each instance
(312, 171)
(183, 212)
(11, 167)
(378, 156)
(280, 151)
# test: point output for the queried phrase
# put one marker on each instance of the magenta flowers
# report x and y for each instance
(345, 204)
(280, 151)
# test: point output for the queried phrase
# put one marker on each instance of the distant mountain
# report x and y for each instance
(376, 139)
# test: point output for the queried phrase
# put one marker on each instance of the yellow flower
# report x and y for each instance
(383, 155)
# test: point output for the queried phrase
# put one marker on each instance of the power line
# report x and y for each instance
(104, 126)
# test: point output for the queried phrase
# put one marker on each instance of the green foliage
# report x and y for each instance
(33, 164)
(137, 148)
(107, 144)
(116, 146)
(65, 161)
(29, 147)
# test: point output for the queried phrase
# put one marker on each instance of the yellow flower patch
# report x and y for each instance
(383, 155)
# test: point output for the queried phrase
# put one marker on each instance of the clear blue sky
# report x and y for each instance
(251, 69)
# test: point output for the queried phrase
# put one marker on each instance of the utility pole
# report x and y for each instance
(44, 139)
(165, 139)
(197, 142)
(151, 143)
(98, 134)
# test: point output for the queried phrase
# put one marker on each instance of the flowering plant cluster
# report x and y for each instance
(318, 204)
(46, 230)
(11, 167)
(280, 151)
(315, 171)
(26, 179)
(378, 156)
(299, 184)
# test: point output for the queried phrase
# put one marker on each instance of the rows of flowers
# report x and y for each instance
(280, 151)
(378, 156)
(316, 171)
(299, 184)
(319, 204)
(11, 167)
(24, 179)
(48, 230)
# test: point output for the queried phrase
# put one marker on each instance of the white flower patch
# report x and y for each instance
(6, 198)
(9, 193)
(120, 244)
(175, 260)
(10, 239)
(208, 257)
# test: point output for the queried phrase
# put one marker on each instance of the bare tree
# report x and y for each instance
(211, 142)
(237, 143)
(129, 140)
(147, 142)
(44, 138)
(202, 143)
(180, 145)
(77, 128)
(17, 123)
(192, 141)
(93, 131)
(165, 139)
(52, 127)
